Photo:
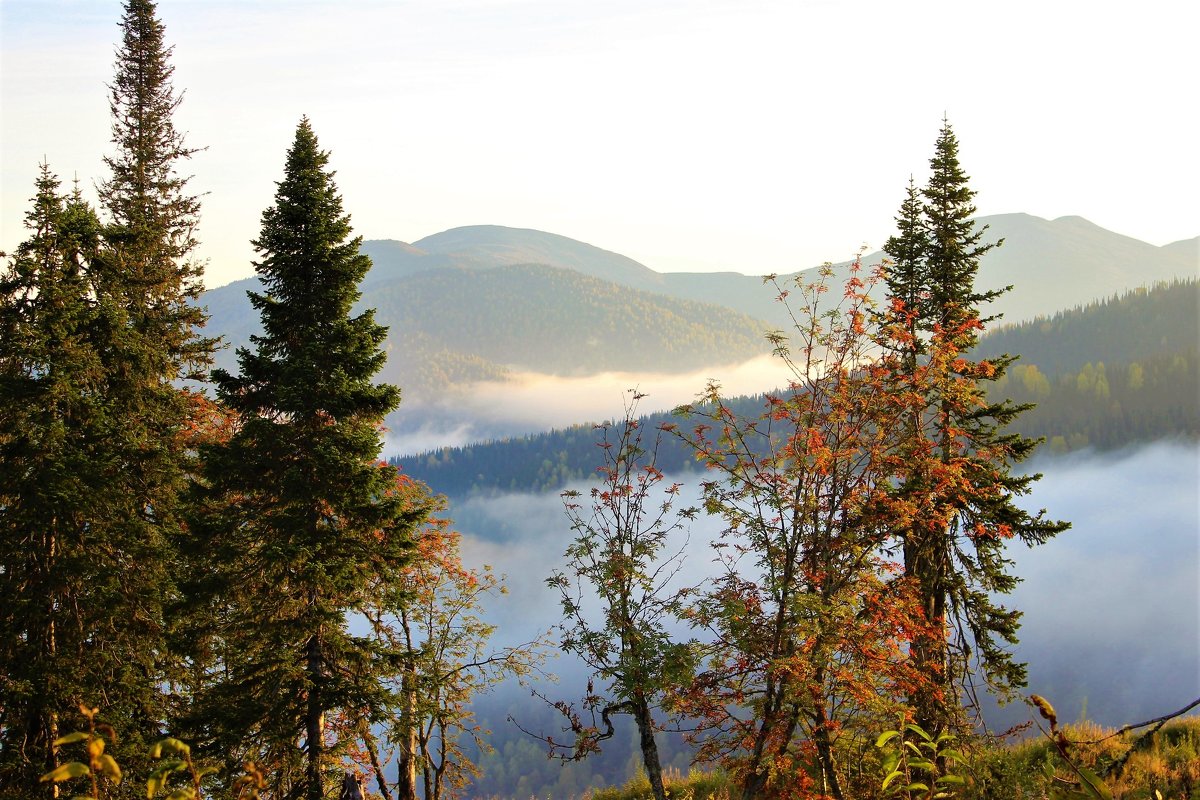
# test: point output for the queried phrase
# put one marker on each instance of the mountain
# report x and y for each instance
(472, 303)
(453, 324)
(486, 246)
(1146, 323)
(1058, 264)
(1106, 375)
(1187, 248)
(490, 246)
(1051, 264)
(546, 319)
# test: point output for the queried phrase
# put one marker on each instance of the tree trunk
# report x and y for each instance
(755, 782)
(314, 721)
(376, 767)
(47, 722)
(645, 726)
(406, 787)
(924, 559)
(821, 724)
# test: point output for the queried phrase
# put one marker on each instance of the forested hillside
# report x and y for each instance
(468, 303)
(1051, 264)
(1105, 375)
(456, 325)
(558, 321)
(1112, 373)
(1148, 322)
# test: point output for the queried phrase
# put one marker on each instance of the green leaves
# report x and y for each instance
(73, 769)
(100, 764)
(170, 745)
(103, 765)
(917, 764)
(72, 738)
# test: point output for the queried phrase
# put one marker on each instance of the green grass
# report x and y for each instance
(1169, 763)
(696, 785)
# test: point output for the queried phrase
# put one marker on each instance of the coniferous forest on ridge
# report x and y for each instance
(217, 582)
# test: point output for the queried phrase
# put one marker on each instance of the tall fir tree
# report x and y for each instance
(145, 280)
(956, 472)
(301, 518)
(52, 426)
(149, 275)
(906, 277)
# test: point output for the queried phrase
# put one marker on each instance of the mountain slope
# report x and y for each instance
(1052, 264)
(545, 319)
(1111, 374)
(485, 246)
(1058, 264)
(457, 295)
(455, 325)
(1162, 320)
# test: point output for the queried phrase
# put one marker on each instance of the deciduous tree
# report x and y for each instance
(808, 629)
(432, 613)
(624, 557)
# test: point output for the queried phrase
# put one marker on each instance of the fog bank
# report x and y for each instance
(534, 402)
(1111, 607)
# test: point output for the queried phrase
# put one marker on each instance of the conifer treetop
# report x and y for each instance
(312, 355)
(953, 241)
(145, 193)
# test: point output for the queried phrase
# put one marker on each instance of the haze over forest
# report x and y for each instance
(1111, 616)
(524, 330)
(289, 560)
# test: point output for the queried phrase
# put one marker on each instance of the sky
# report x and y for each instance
(698, 135)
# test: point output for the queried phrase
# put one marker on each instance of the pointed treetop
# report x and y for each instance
(955, 245)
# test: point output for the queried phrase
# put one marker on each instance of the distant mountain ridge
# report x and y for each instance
(452, 325)
(492, 246)
(470, 303)
(1052, 264)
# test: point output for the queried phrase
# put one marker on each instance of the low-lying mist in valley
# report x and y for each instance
(1112, 607)
(533, 402)
(1111, 625)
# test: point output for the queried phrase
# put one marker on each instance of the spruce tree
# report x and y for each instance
(145, 281)
(905, 275)
(300, 517)
(956, 472)
(52, 426)
(148, 274)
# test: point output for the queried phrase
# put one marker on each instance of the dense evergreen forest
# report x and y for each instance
(1113, 373)
(213, 586)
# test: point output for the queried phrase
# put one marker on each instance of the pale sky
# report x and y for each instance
(746, 135)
